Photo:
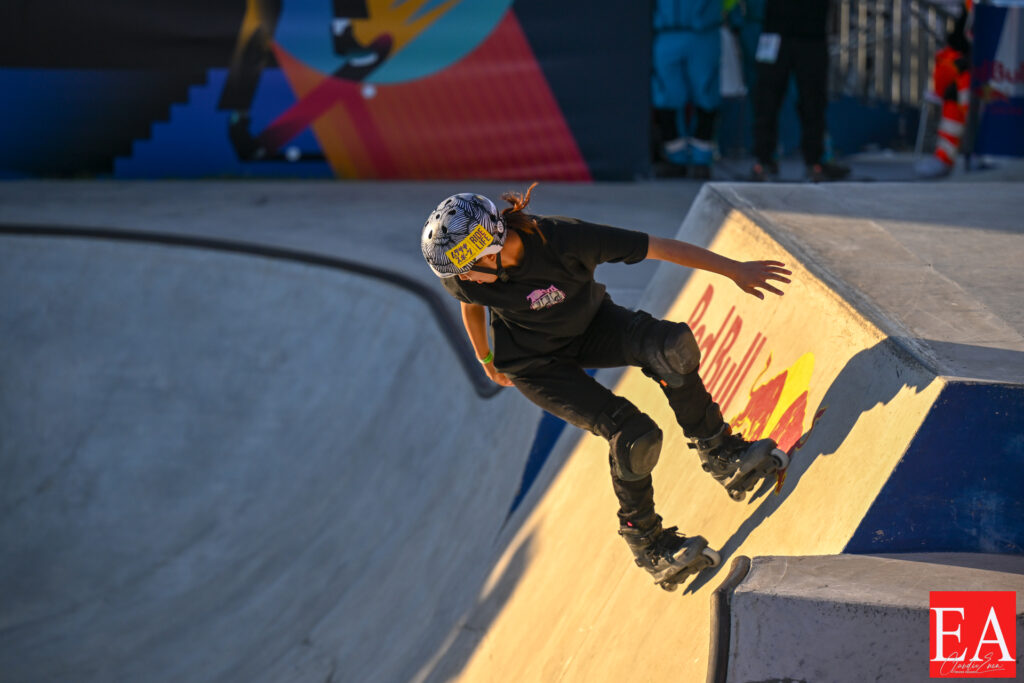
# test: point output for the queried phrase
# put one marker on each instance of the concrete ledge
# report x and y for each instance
(852, 617)
(721, 624)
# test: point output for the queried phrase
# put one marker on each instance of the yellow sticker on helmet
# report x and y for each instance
(466, 251)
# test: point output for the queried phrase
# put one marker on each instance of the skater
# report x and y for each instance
(550, 319)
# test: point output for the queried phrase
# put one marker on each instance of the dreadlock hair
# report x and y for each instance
(514, 217)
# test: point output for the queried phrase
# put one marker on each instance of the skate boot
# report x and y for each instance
(667, 555)
(737, 464)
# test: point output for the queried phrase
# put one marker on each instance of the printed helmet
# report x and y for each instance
(459, 231)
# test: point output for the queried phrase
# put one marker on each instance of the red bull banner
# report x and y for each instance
(997, 78)
(369, 89)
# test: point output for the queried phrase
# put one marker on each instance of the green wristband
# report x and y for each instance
(487, 359)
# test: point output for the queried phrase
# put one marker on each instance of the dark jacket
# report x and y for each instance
(796, 18)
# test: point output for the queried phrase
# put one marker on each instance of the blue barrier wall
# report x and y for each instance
(958, 488)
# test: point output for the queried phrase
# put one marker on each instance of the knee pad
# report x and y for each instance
(671, 353)
(635, 442)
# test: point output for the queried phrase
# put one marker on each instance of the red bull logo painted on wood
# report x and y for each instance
(776, 408)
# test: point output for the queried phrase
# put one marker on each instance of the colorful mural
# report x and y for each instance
(376, 89)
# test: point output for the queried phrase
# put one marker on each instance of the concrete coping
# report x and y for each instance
(898, 580)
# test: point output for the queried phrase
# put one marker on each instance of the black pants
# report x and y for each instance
(560, 385)
(807, 59)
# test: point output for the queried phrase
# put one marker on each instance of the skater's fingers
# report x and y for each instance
(778, 269)
(771, 289)
(780, 278)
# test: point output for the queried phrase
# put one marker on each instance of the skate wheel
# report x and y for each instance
(712, 556)
(670, 587)
(737, 495)
(780, 459)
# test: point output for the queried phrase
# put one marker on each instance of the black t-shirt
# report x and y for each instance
(551, 296)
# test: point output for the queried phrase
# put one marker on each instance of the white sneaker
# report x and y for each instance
(677, 151)
(931, 168)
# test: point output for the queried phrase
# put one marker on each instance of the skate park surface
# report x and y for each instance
(226, 462)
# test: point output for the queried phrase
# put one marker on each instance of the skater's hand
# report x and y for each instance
(753, 276)
(497, 377)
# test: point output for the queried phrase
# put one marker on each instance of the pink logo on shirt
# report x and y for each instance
(545, 298)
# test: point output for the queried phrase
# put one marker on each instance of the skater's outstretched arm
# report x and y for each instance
(474, 318)
(750, 276)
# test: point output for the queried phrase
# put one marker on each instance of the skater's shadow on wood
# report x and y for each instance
(872, 377)
(469, 631)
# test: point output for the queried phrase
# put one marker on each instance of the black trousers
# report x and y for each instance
(807, 60)
(559, 384)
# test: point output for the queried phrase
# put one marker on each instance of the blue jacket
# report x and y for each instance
(687, 15)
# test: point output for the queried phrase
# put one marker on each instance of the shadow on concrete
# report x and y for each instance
(985, 363)
(456, 653)
(872, 377)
